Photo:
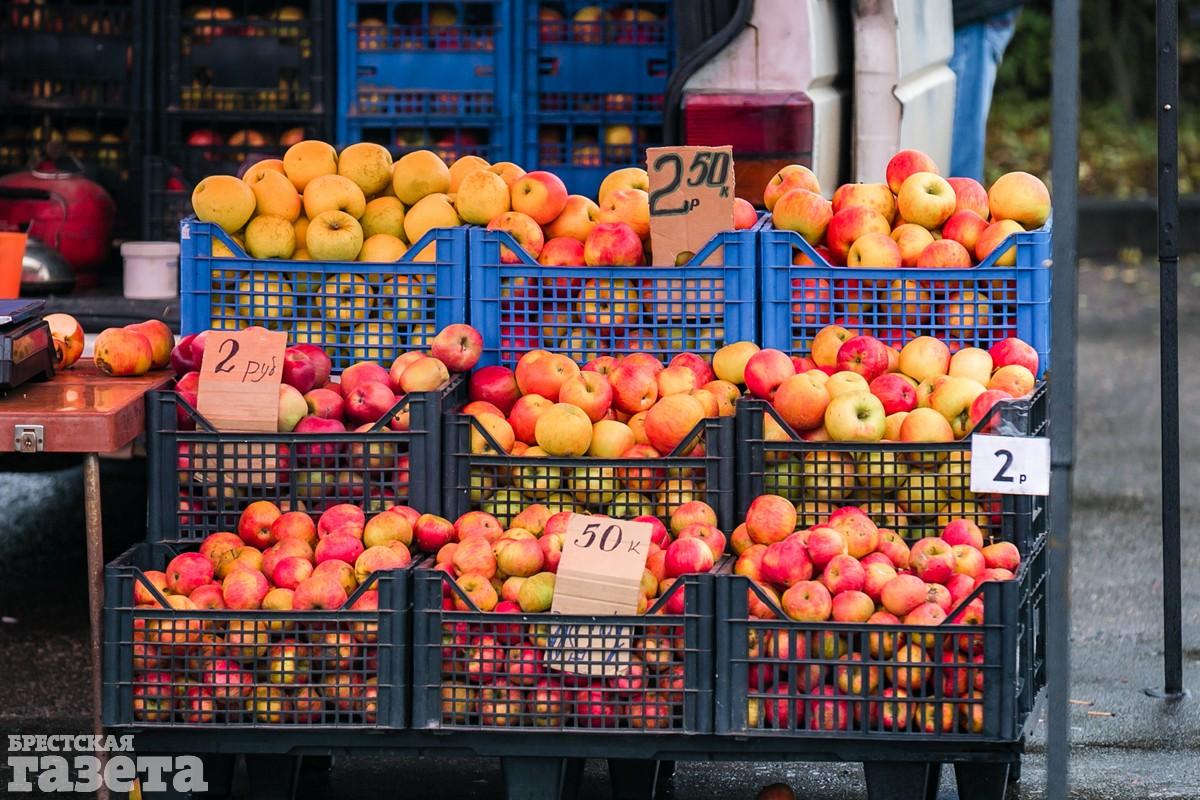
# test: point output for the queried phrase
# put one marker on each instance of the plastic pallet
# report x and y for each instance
(830, 680)
(503, 485)
(459, 656)
(326, 303)
(589, 311)
(201, 478)
(977, 306)
(350, 667)
(408, 81)
(904, 486)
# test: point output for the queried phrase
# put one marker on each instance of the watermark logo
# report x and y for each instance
(71, 764)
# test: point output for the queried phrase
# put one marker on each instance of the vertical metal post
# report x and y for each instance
(1064, 162)
(1167, 18)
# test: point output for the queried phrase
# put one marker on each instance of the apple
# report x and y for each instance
(589, 391)
(807, 601)
(827, 342)
(855, 417)
(876, 196)
(925, 198)
(635, 386)
(613, 244)
(965, 228)
(994, 235)
(563, 430)
(969, 195)
(298, 370)
(801, 401)
(848, 225)
(540, 195)
(973, 363)
(912, 240)
(431, 533)
(765, 370)
(368, 402)
(1014, 351)
(792, 176)
(902, 594)
(895, 391)
(803, 211)
(744, 215)
(457, 346)
(925, 425)
(562, 251)
(905, 163)
(944, 254)
(576, 220)
(524, 230)
(481, 197)
(543, 373)
(729, 362)
(1021, 197)
(952, 399)
(325, 404)
(874, 250)
(333, 236)
(292, 408)
(925, 357)
(630, 206)
(932, 560)
(786, 563)
(1002, 555)
(864, 355)
(671, 420)
(425, 374)
(525, 414)
(495, 384)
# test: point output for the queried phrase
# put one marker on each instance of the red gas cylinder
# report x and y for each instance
(64, 210)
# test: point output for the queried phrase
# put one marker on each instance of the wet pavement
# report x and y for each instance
(1125, 744)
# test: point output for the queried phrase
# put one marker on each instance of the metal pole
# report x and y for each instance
(1168, 314)
(1064, 163)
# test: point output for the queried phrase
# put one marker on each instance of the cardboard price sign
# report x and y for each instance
(600, 573)
(691, 199)
(239, 380)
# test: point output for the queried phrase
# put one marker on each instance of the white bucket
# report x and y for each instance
(151, 270)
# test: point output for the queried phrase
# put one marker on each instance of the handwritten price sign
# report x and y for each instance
(600, 573)
(239, 379)
(691, 199)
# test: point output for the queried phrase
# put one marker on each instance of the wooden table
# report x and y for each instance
(81, 411)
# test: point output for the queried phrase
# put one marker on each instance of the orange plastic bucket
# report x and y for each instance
(12, 253)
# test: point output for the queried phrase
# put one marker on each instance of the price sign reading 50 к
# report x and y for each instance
(1010, 464)
(691, 199)
(239, 379)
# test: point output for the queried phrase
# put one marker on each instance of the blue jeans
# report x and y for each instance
(978, 49)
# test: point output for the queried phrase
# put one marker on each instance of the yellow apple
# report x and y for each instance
(431, 211)
(463, 167)
(270, 237)
(631, 206)
(300, 224)
(403, 298)
(383, 215)
(224, 200)
(333, 236)
(344, 297)
(333, 193)
(274, 195)
(264, 296)
(481, 197)
(382, 247)
(627, 178)
(266, 165)
(418, 174)
(507, 170)
(368, 164)
(576, 220)
(309, 159)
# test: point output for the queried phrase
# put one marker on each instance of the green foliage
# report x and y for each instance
(1117, 140)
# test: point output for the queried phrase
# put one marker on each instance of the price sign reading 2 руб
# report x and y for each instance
(599, 574)
(239, 379)
(1010, 464)
(691, 200)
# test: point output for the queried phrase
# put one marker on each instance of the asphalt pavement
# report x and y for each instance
(1125, 744)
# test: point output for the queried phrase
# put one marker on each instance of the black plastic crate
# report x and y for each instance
(969, 683)
(202, 145)
(247, 56)
(199, 478)
(71, 55)
(503, 485)
(661, 674)
(904, 486)
(330, 669)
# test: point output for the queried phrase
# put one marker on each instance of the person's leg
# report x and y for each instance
(966, 148)
(978, 50)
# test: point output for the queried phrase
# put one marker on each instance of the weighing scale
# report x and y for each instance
(26, 348)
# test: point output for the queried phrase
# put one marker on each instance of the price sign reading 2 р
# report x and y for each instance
(239, 379)
(691, 200)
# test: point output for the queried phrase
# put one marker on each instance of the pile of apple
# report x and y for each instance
(916, 219)
(120, 352)
(847, 570)
(313, 400)
(499, 673)
(855, 388)
(631, 407)
(191, 669)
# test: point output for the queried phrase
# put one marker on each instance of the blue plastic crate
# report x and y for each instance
(976, 306)
(410, 79)
(585, 312)
(592, 91)
(357, 311)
